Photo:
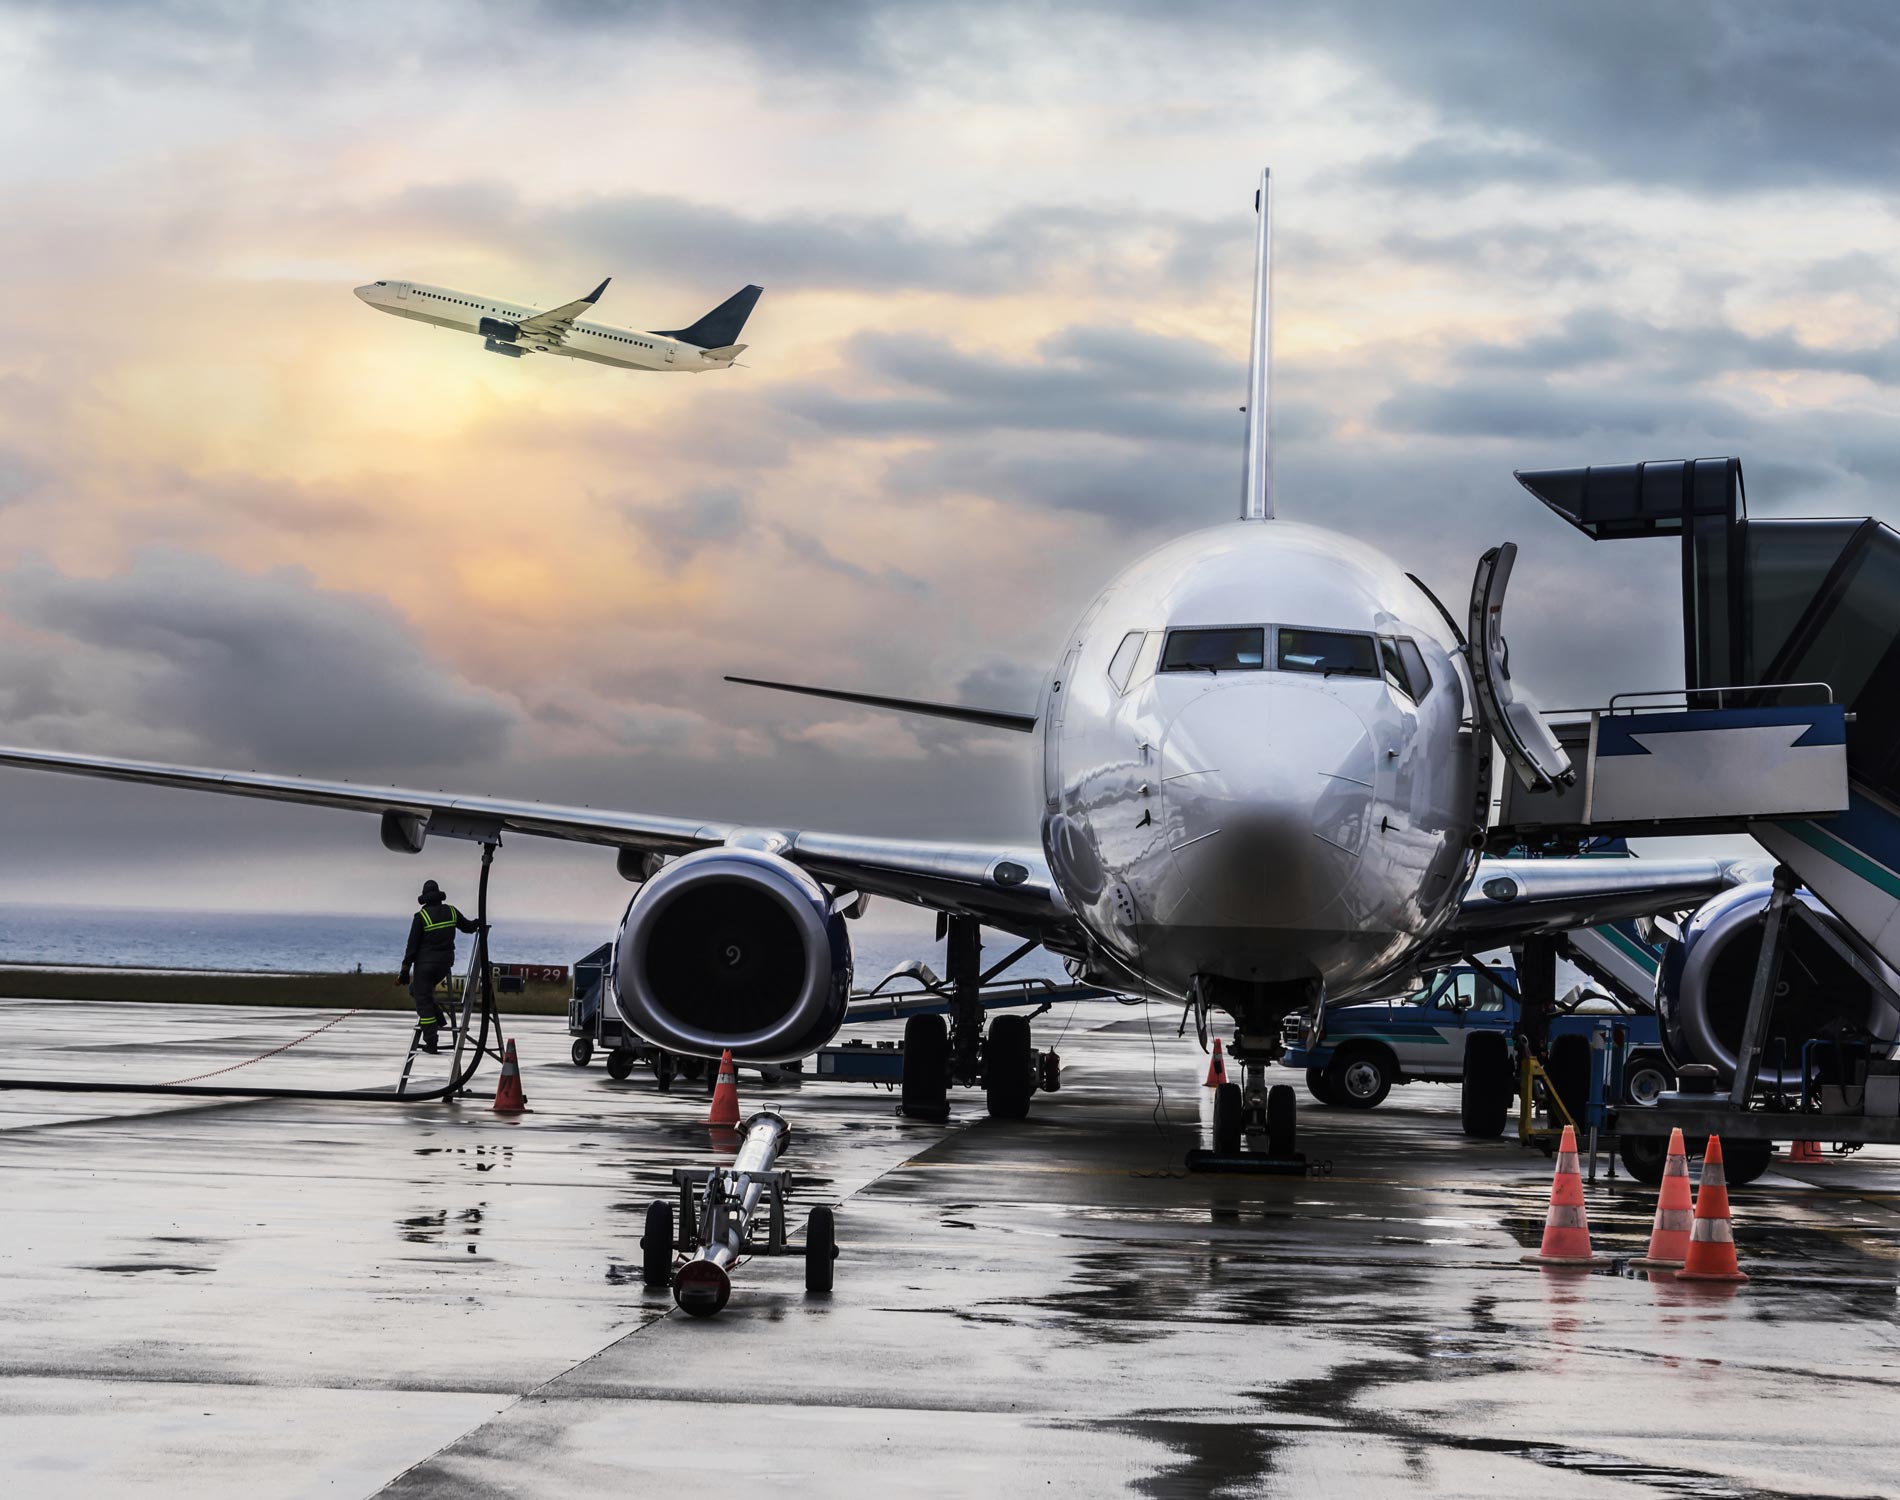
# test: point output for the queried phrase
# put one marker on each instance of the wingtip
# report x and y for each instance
(594, 296)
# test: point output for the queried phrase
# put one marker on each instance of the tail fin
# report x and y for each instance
(721, 326)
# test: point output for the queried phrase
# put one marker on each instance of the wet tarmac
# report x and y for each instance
(297, 1298)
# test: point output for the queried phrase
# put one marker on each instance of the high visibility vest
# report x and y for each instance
(436, 924)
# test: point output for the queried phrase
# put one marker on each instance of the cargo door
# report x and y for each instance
(1510, 716)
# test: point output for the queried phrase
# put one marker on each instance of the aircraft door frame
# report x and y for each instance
(1511, 718)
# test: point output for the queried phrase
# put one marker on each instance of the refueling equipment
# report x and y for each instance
(727, 1213)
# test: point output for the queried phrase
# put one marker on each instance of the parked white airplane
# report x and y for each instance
(512, 329)
(1264, 764)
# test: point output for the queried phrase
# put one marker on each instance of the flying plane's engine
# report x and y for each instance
(1704, 984)
(498, 329)
(733, 948)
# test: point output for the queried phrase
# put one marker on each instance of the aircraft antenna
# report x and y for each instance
(1256, 499)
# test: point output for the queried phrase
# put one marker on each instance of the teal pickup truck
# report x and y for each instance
(1355, 1054)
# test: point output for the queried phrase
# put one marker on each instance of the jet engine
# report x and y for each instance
(1706, 978)
(499, 330)
(733, 948)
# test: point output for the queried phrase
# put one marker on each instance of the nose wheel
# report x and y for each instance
(1255, 1127)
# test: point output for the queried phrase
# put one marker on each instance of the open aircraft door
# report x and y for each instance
(1513, 721)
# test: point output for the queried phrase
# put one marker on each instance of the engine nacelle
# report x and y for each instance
(500, 331)
(733, 948)
(1705, 981)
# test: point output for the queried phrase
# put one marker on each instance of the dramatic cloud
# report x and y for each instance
(265, 670)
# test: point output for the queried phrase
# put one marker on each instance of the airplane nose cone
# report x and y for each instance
(364, 291)
(1268, 787)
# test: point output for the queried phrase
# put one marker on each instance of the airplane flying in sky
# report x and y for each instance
(1264, 757)
(513, 329)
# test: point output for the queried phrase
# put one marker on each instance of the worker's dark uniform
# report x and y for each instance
(430, 957)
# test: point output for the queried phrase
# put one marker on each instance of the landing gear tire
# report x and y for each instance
(665, 1067)
(1484, 1100)
(1360, 1079)
(1320, 1087)
(620, 1063)
(1282, 1121)
(1009, 1068)
(926, 1086)
(1744, 1161)
(656, 1245)
(1643, 1157)
(1569, 1074)
(582, 1052)
(1228, 1119)
(821, 1249)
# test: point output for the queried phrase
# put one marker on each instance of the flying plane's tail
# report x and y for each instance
(720, 327)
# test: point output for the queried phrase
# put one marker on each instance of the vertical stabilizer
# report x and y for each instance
(1256, 499)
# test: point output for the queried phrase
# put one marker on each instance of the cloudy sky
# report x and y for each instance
(246, 521)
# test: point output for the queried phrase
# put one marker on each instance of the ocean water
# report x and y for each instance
(315, 942)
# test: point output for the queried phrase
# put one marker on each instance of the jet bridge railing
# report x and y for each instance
(1716, 760)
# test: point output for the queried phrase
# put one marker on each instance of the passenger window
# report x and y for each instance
(1123, 664)
(1416, 672)
(1240, 649)
(1328, 652)
(1489, 997)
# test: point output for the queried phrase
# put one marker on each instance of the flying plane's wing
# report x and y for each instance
(553, 327)
(1007, 887)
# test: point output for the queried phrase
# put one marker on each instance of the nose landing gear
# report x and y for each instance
(1255, 1126)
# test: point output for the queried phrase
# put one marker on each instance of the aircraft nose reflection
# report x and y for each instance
(1269, 789)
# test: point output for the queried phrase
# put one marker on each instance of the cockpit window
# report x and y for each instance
(1332, 652)
(1229, 649)
(1124, 660)
(1416, 672)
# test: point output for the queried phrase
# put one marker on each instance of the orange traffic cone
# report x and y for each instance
(1566, 1228)
(1675, 1213)
(1216, 1068)
(509, 1099)
(725, 1100)
(1711, 1255)
(1808, 1151)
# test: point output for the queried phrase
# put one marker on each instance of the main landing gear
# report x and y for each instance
(939, 1052)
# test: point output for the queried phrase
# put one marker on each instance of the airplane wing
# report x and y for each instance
(553, 327)
(1512, 898)
(1004, 886)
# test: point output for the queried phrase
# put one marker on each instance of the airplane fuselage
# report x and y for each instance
(1259, 769)
(602, 343)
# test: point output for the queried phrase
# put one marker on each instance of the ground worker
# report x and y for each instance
(431, 957)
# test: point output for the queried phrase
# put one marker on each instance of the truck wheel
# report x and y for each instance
(821, 1249)
(1227, 1120)
(582, 1051)
(926, 1085)
(1646, 1080)
(1569, 1074)
(1484, 1102)
(1009, 1068)
(1283, 1112)
(1643, 1157)
(1319, 1087)
(656, 1245)
(1361, 1077)
(620, 1063)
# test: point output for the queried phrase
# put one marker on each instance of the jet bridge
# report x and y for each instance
(1788, 723)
